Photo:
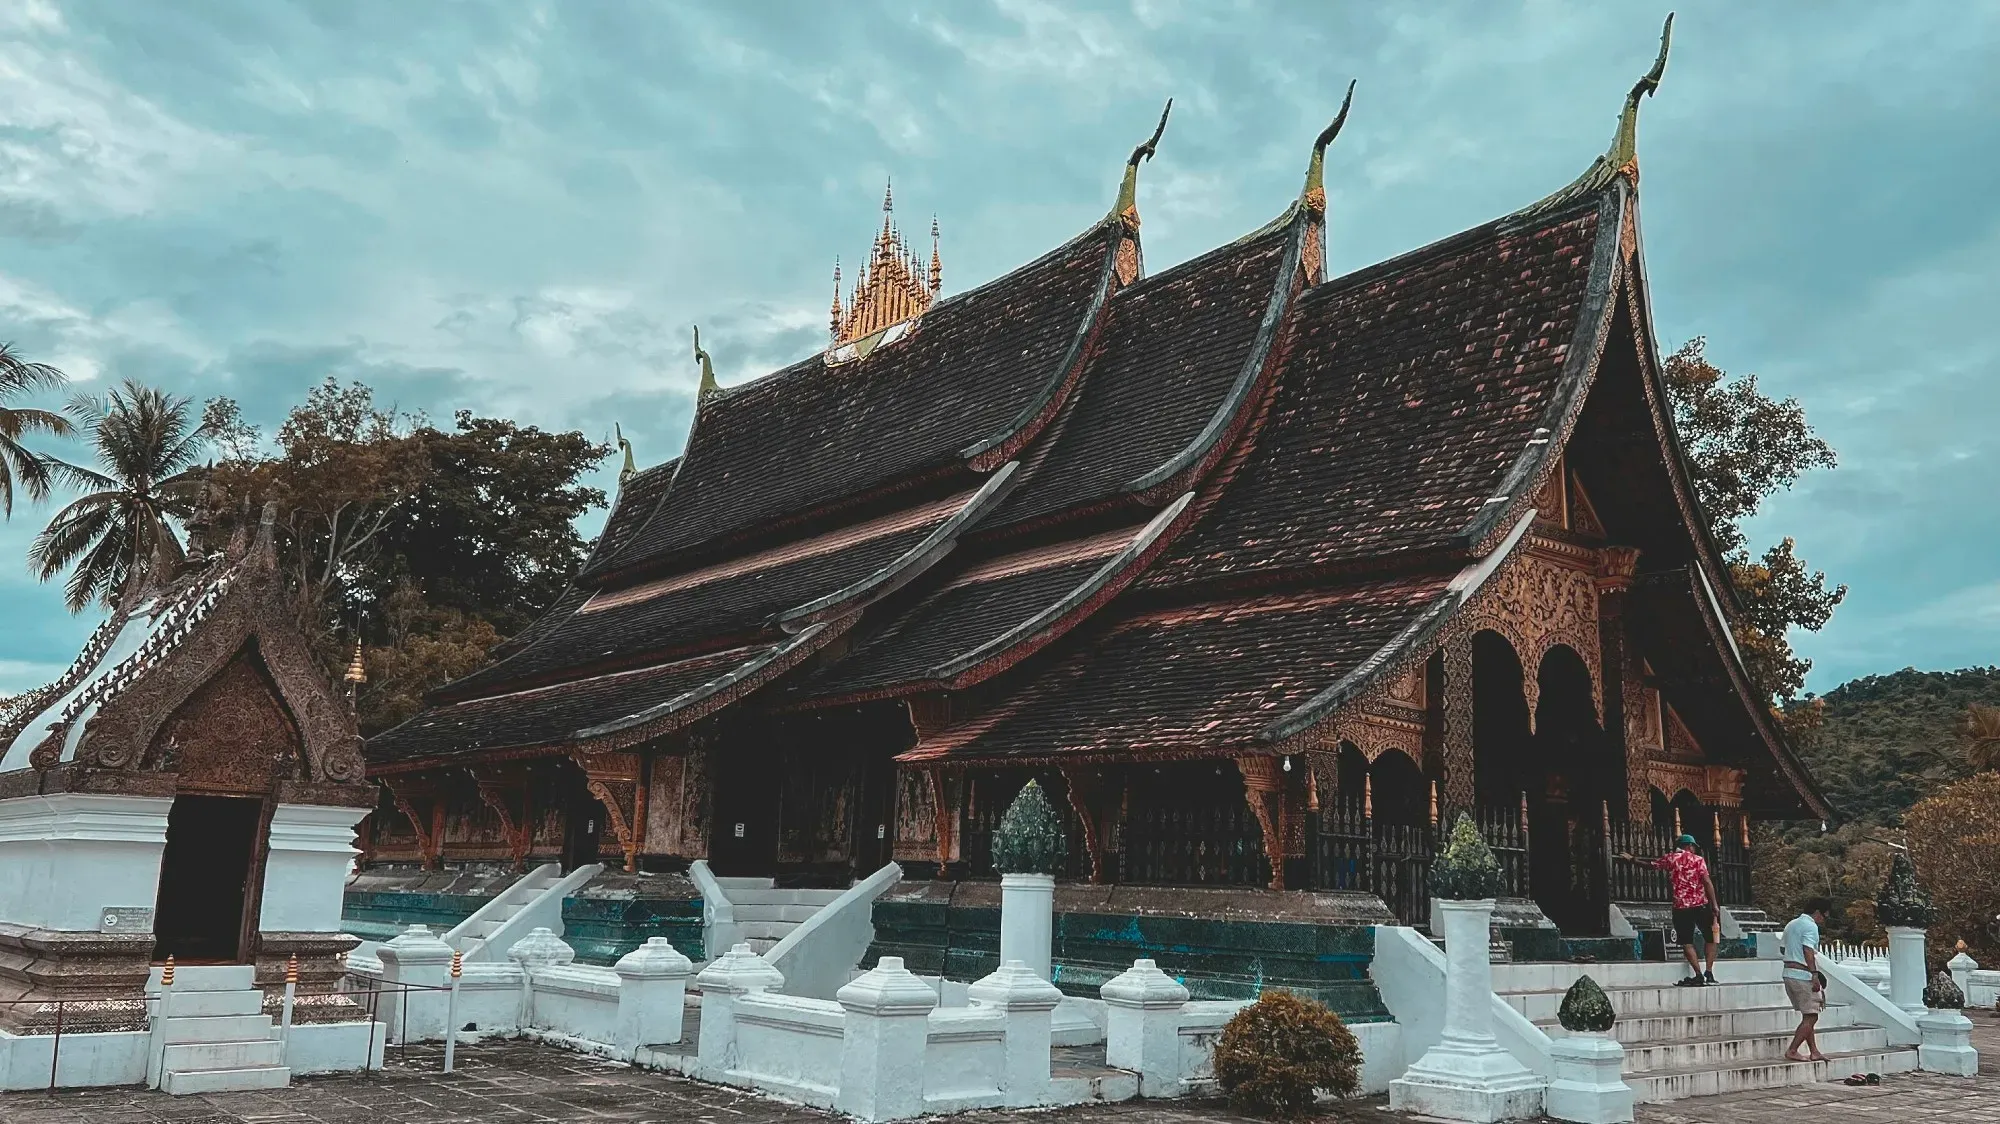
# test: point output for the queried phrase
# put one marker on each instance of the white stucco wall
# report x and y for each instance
(66, 856)
(311, 853)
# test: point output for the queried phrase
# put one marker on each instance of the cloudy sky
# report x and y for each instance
(521, 207)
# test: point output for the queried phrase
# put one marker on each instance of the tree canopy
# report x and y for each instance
(20, 465)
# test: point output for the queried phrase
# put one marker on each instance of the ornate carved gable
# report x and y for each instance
(1543, 596)
(1582, 513)
(233, 735)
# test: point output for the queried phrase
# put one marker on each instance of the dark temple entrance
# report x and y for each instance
(212, 844)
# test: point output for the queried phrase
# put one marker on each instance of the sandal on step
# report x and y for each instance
(1855, 1079)
(1874, 1079)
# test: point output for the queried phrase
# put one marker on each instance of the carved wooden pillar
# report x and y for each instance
(506, 790)
(419, 799)
(1264, 789)
(1615, 567)
(944, 817)
(1456, 747)
(614, 779)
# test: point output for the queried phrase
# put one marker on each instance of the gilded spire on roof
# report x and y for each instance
(709, 388)
(625, 472)
(1127, 206)
(1622, 158)
(890, 287)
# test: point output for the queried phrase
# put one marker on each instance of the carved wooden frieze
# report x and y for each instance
(1543, 596)
(233, 735)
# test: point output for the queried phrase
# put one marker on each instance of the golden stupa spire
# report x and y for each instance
(890, 286)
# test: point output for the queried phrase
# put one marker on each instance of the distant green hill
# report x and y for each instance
(1889, 740)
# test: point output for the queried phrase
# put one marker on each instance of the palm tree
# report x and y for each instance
(147, 447)
(19, 464)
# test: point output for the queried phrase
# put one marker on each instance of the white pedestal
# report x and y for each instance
(1142, 1026)
(1589, 1083)
(1467, 1076)
(1946, 1045)
(727, 978)
(882, 1047)
(1961, 968)
(652, 995)
(416, 957)
(1906, 968)
(1027, 919)
(1029, 1002)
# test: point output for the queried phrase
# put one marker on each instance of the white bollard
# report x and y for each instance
(451, 1011)
(541, 948)
(413, 977)
(1906, 968)
(883, 1042)
(1027, 920)
(1961, 968)
(1587, 1084)
(727, 978)
(1467, 1075)
(1030, 1003)
(652, 995)
(1142, 1026)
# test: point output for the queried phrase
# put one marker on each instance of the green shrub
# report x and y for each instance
(1279, 1052)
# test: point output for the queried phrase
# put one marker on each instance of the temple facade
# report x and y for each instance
(1263, 575)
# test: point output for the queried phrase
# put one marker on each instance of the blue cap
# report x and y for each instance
(1688, 841)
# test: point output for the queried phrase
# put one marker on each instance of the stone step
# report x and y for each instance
(254, 1053)
(1748, 1022)
(218, 1028)
(1545, 976)
(772, 931)
(195, 1004)
(760, 899)
(1733, 1053)
(787, 912)
(760, 945)
(248, 1078)
(1540, 1006)
(1672, 1085)
(207, 977)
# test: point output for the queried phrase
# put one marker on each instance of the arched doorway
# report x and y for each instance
(1501, 741)
(1574, 774)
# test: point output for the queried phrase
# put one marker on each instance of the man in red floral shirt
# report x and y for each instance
(1695, 906)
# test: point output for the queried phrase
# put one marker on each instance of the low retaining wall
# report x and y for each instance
(603, 920)
(1221, 944)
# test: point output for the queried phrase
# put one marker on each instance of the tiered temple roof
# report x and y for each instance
(1183, 515)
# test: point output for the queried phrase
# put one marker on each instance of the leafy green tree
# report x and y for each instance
(18, 463)
(147, 446)
(1743, 447)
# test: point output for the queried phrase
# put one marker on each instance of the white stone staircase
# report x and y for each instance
(766, 914)
(216, 1036)
(468, 935)
(1698, 1041)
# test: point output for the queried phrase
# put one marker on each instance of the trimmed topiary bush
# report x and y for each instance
(1942, 993)
(1902, 901)
(1467, 870)
(1029, 839)
(1278, 1053)
(1586, 1007)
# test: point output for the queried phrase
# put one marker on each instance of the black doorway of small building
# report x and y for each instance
(743, 828)
(212, 844)
(583, 830)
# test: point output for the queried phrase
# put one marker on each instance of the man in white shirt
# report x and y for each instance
(1803, 983)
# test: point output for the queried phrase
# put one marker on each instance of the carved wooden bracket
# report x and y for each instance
(944, 817)
(1086, 788)
(614, 779)
(420, 802)
(1264, 788)
(508, 792)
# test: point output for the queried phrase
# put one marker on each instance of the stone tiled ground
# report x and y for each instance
(509, 1083)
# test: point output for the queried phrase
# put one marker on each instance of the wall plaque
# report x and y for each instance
(125, 919)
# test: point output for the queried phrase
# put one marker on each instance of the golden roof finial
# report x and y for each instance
(1622, 158)
(833, 314)
(890, 286)
(1127, 206)
(357, 671)
(709, 388)
(625, 472)
(1315, 191)
(937, 263)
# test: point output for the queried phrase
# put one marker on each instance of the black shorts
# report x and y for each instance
(1691, 921)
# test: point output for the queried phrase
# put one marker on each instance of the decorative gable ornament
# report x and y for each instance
(1029, 839)
(1467, 870)
(1903, 901)
(1585, 1008)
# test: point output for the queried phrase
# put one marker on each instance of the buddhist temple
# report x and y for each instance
(1262, 574)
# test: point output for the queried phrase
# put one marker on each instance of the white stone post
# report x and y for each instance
(1944, 1044)
(1906, 968)
(539, 949)
(1030, 1003)
(1588, 1084)
(883, 1043)
(652, 995)
(1027, 920)
(1467, 1076)
(1142, 1026)
(727, 978)
(415, 966)
(1961, 967)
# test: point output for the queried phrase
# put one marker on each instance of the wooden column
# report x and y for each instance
(1264, 789)
(1616, 566)
(1087, 786)
(1456, 748)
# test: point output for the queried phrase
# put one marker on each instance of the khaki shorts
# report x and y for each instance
(1806, 999)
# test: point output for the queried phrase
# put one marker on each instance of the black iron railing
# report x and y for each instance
(1209, 845)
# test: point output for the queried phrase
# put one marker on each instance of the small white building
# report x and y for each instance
(188, 788)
